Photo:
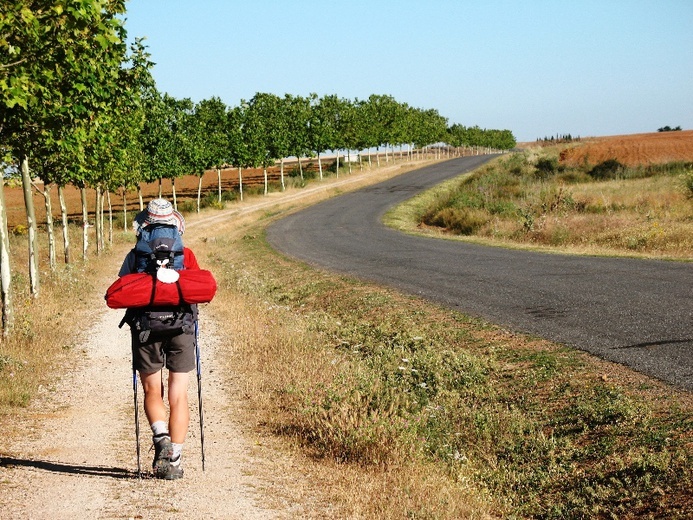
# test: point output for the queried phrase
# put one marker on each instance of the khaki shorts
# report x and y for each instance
(177, 354)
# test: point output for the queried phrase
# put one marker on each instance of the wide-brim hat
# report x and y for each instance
(160, 211)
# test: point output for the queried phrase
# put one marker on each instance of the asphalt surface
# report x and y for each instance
(635, 312)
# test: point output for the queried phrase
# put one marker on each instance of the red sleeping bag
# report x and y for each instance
(144, 290)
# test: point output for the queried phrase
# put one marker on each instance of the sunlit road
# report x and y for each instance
(635, 312)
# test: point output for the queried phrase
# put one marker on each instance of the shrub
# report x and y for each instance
(546, 167)
(608, 169)
(462, 221)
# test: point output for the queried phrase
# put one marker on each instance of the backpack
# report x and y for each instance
(158, 245)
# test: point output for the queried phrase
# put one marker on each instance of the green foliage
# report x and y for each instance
(459, 135)
(546, 167)
(609, 169)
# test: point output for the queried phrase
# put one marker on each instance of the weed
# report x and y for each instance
(608, 169)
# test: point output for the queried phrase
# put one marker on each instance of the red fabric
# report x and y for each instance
(189, 260)
(144, 290)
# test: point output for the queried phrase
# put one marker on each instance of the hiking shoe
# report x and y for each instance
(163, 451)
(174, 472)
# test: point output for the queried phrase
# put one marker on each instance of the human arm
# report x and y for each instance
(128, 264)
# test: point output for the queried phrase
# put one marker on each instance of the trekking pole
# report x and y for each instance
(137, 422)
(199, 391)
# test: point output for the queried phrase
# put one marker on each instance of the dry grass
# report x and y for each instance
(505, 426)
(643, 212)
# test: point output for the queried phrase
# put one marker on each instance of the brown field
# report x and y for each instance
(632, 150)
(186, 189)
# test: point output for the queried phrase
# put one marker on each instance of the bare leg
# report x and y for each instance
(154, 406)
(178, 400)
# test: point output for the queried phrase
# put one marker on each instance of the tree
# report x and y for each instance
(347, 130)
(262, 130)
(238, 152)
(383, 116)
(59, 68)
(322, 125)
(296, 120)
(209, 127)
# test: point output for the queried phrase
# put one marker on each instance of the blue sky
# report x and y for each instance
(536, 67)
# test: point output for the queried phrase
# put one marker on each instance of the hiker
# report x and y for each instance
(153, 349)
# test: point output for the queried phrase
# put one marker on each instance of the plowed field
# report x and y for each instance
(632, 150)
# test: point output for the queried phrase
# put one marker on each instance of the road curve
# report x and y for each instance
(635, 312)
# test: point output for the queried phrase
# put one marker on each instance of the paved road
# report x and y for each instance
(635, 312)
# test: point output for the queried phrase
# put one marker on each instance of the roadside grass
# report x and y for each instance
(370, 382)
(47, 330)
(531, 200)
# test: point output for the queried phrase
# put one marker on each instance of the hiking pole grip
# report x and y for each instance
(198, 364)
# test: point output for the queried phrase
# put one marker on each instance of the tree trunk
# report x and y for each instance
(5, 271)
(240, 182)
(66, 233)
(281, 173)
(46, 192)
(319, 166)
(377, 156)
(110, 218)
(264, 173)
(218, 181)
(85, 224)
(300, 167)
(31, 227)
(139, 195)
(49, 226)
(199, 193)
(97, 220)
(103, 220)
(173, 190)
(349, 160)
(125, 210)
(160, 187)
(337, 169)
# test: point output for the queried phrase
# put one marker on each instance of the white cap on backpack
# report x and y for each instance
(160, 211)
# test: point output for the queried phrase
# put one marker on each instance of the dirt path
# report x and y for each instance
(75, 457)
(79, 461)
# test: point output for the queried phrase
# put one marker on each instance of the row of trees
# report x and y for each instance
(78, 107)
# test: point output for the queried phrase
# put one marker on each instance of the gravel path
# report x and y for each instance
(79, 461)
